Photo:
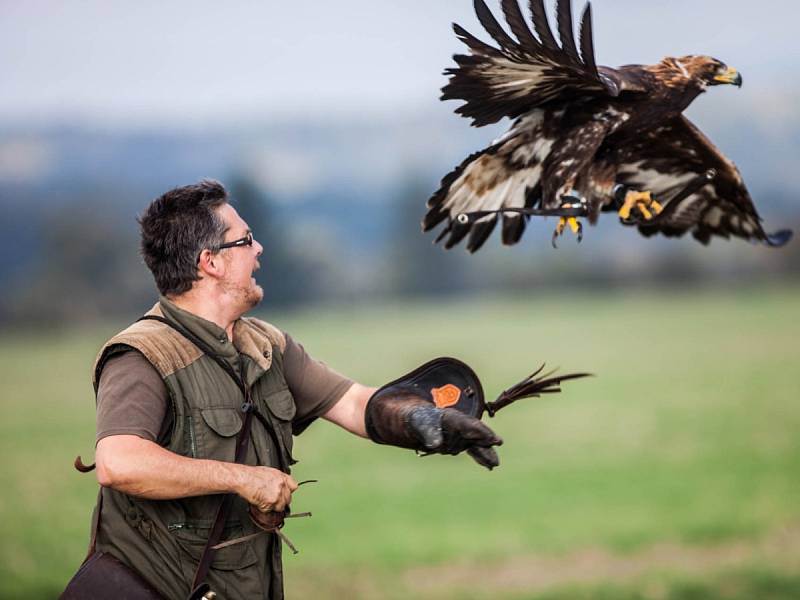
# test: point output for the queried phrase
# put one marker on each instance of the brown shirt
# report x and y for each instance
(132, 398)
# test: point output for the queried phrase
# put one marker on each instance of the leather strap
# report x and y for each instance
(248, 410)
(95, 526)
(248, 406)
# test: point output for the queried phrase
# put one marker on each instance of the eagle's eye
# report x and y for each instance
(722, 73)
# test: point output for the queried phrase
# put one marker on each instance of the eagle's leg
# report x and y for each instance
(562, 222)
(642, 202)
(576, 226)
(570, 200)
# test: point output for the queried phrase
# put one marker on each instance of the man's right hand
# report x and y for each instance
(266, 488)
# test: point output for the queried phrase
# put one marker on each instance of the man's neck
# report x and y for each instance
(218, 310)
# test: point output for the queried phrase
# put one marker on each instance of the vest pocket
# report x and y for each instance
(192, 540)
(282, 410)
(220, 442)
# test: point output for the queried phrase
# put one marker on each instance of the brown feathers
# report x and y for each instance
(533, 386)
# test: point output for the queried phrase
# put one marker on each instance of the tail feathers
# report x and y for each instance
(532, 387)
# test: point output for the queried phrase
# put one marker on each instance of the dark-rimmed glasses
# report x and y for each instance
(247, 240)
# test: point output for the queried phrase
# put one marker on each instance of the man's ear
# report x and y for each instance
(210, 264)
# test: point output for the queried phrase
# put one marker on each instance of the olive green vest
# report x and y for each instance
(164, 539)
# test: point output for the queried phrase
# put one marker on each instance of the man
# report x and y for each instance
(169, 415)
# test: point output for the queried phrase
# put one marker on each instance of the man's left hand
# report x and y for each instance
(406, 420)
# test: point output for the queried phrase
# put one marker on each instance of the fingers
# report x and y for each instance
(486, 457)
(269, 489)
(473, 431)
(463, 432)
(426, 424)
(283, 500)
(286, 487)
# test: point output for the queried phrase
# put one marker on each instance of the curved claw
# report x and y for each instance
(580, 232)
(555, 237)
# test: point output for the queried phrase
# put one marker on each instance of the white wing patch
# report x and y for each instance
(515, 79)
(532, 153)
(653, 180)
(488, 184)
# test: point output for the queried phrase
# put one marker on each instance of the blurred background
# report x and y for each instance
(673, 474)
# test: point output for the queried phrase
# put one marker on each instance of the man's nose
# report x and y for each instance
(259, 248)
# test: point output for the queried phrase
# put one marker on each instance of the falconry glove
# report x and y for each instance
(437, 407)
(400, 417)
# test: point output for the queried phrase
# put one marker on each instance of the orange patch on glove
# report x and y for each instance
(445, 396)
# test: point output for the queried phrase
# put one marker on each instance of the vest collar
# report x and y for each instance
(246, 339)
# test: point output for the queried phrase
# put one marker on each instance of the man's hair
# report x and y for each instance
(176, 227)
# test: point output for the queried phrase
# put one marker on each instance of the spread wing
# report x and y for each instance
(506, 175)
(529, 71)
(665, 159)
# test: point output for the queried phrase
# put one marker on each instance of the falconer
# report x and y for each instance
(173, 394)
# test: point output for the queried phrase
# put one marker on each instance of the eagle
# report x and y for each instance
(585, 139)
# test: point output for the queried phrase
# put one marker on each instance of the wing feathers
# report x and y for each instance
(667, 161)
(564, 20)
(779, 238)
(519, 27)
(504, 175)
(522, 75)
(474, 43)
(513, 227)
(494, 29)
(481, 232)
(542, 26)
(587, 41)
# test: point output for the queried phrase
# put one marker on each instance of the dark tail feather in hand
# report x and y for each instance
(532, 387)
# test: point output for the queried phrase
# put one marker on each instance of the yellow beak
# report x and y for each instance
(731, 76)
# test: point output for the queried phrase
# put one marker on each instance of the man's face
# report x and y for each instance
(241, 262)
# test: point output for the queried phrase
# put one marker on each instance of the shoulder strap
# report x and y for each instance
(242, 441)
(203, 346)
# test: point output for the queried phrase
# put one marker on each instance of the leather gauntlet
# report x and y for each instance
(417, 412)
(437, 408)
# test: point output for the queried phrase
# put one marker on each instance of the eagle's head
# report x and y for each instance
(703, 71)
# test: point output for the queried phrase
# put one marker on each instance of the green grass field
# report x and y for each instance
(674, 474)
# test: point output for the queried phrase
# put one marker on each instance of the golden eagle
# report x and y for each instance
(585, 139)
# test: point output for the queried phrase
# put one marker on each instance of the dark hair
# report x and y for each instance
(176, 227)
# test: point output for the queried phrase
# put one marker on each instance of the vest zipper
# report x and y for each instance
(192, 441)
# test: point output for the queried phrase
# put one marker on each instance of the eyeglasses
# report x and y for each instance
(247, 240)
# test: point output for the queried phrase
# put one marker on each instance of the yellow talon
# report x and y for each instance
(642, 201)
(657, 208)
(574, 225)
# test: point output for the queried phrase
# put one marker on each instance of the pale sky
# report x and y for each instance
(148, 61)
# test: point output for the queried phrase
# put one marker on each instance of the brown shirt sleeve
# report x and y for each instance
(315, 386)
(132, 399)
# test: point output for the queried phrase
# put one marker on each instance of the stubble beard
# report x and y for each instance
(246, 297)
(253, 295)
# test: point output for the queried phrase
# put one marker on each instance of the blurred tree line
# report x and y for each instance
(78, 262)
